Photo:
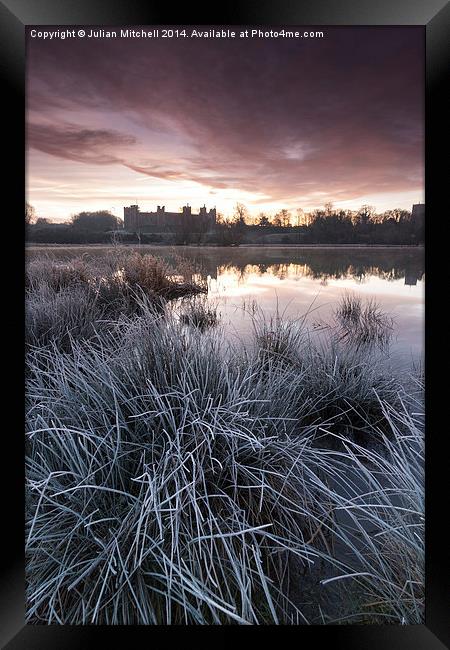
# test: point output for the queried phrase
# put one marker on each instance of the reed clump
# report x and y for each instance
(75, 299)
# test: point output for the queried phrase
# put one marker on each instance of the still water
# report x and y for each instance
(295, 281)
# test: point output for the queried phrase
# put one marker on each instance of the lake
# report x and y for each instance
(296, 281)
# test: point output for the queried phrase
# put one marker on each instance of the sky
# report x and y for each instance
(268, 123)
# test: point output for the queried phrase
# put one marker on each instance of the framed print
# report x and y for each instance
(229, 420)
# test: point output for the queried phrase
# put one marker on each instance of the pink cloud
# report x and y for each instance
(283, 119)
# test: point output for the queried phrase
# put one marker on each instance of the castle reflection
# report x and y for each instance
(322, 265)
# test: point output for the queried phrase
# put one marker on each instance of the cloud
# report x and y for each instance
(284, 119)
(98, 146)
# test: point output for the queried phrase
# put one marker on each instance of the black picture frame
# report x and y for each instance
(15, 15)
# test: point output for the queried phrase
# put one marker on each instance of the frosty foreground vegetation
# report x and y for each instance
(174, 479)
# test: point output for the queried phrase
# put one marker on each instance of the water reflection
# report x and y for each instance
(291, 280)
(359, 273)
(296, 282)
(324, 264)
(319, 264)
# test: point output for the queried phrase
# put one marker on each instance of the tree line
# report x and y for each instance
(325, 225)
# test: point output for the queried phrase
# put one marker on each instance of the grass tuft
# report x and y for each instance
(363, 323)
(199, 313)
(175, 479)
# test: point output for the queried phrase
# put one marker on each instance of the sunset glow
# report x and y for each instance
(268, 123)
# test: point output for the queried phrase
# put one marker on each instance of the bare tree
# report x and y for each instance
(285, 216)
(240, 214)
(365, 214)
(300, 217)
(263, 220)
(328, 208)
(276, 221)
(30, 213)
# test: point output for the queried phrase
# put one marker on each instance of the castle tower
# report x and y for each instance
(161, 215)
(418, 212)
(131, 218)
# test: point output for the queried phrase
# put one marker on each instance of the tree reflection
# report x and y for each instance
(323, 266)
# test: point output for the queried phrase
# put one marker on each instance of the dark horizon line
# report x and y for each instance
(268, 214)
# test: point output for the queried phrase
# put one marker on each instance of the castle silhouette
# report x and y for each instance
(137, 221)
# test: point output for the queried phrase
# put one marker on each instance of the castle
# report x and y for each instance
(418, 212)
(137, 221)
